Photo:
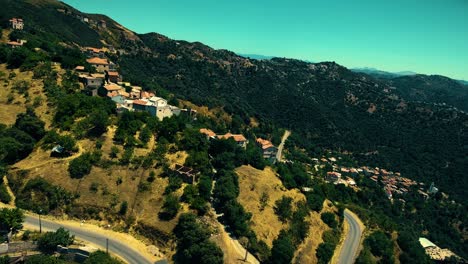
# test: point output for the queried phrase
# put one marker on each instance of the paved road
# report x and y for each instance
(352, 241)
(287, 133)
(115, 246)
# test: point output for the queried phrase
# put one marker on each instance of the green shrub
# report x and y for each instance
(49, 241)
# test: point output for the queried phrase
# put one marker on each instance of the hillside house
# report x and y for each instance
(101, 65)
(239, 138)
(188, 175)
(208, 132)
(146, 95)
(91, 52)
(17, 23)
(113, 76)
(268, 149)
(80, 68)
(109, 88)
(156, 106)
(333, 176)
(135, 93)
(102, 24)
(94, 81)
(118, 96)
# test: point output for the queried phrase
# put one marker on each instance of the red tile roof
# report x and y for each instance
(113, 87)
(236, 137)
(96, 50)
(97, 61)
(113, 73)
(140, 102)
(207, 132)
(14, 43)
(264, 143)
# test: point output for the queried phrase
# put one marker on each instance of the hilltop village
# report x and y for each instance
(392, 182)
(106, 81)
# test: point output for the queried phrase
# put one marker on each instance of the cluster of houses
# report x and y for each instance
(16, 24)
(99, 24)
(108, 82)
(268, 149)
(392, 181)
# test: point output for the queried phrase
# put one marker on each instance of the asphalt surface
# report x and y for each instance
(279, 154)
(117, 247)
(352, 241)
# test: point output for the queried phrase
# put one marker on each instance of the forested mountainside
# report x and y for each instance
(329, 106)
(432, 89)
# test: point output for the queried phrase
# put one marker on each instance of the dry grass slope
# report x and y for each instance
(253, 183)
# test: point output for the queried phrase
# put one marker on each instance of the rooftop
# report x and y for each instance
(264, 143)
(97, 61)
(207, 132)
(236, 137)
(426, 243)
(112, 87)
(113, 73)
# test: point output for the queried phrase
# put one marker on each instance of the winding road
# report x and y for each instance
(116, 246)
(279, 154)
(350, 247)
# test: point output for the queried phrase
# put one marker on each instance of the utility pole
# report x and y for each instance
(40, 222)
(246, 251)
(107, 245)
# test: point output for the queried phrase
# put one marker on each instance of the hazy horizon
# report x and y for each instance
(425, 37)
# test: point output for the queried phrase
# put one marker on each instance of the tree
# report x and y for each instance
(81, 166)
(315, 201)
(5, 259)
(282, 251)
(114, 152)
(4, 195)
(101, 257)
(123, 208)
(283, 208)
(365, 257)
(31, 124)
(329, 219)
(193, 245)
(99, 120)
(49, 241)
(324, 252)
(204, 187)
(170, 207)
(380, 245)
(43, 259)
(145, 134)
(11, 219)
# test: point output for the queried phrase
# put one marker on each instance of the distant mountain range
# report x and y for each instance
(390, 75)
(263, 57)
(256, 56)
(380, 73)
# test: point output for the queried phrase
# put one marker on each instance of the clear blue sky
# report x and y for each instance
(425, 36)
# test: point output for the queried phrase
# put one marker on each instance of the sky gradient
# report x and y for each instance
(425, 36)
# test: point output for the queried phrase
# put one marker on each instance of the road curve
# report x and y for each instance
(352, 241)
(116, 246)
(279, 154)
